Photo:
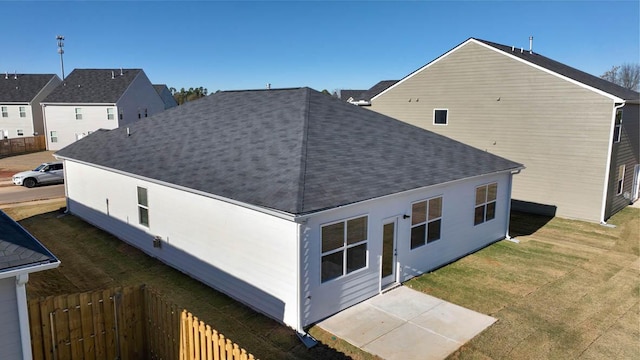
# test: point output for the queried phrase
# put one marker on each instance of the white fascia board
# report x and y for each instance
(28, 269)
(15, 103)
(575, 82)
(78, 104)
(420, 69)
(303, 218)
(273, 212)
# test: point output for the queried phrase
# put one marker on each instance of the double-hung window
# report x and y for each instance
(617, 130)
(23, 111)
(426, 221)
(78, 112)
(620, 181)
(485, 208)
(5, 111)
(53, 135)
(344, 247)
(143, 207)
(110, 114)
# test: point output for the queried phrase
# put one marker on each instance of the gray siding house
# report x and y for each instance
(577, 134)
(165, 95)
(20, 97)
(20, 255)
(295, 203)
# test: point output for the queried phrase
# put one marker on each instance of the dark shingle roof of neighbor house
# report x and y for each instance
(293, 150)
(22, 88)
(18, 249)
(567, 71)
(351, 94)
(101, 86)
(377, 89)
(165, 94)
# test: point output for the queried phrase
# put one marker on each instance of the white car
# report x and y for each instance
(46, 173)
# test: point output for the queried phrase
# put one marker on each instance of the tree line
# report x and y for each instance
(184, 96)
(625, 75)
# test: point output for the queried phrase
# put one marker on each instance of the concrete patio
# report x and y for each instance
(407, 324)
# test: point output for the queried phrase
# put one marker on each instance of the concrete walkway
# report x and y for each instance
(407, 324)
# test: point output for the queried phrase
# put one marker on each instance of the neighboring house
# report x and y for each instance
(577, 134)
(20, 97)
(293, 202)
(165, 95)
(92, 99)
(20, 255)
(363, 97)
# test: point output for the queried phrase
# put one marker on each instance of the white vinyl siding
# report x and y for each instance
(10, 344)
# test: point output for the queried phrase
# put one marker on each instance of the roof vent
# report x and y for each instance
(268, 86)
(78, 85)
(121, 73)
(513, 48)
(6, 75)
(128, 132)
(15, 75)
(521, 50)
(113, 74)
(530, 44)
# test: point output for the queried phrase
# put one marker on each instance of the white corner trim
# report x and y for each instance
(23, 315)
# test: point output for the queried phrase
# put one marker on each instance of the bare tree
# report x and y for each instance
(626, 75)
(630, 76)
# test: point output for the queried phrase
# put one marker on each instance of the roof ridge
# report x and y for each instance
(303, 151)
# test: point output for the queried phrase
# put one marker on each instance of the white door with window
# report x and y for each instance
(389, 256)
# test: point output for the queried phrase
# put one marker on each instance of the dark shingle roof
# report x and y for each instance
(377, 89)
(22, 87)
(568, 71)
(294, 150)
(18, 249)
(165, 94)
(351, 94)
(93, 86)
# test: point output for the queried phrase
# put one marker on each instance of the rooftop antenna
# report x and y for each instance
(60, 39)
(530, 44)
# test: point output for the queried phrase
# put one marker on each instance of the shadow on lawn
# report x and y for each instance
(523, 224)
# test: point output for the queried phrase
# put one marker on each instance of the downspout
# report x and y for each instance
(23, 315)
(607, 170)
(509, 191)
(46, 131)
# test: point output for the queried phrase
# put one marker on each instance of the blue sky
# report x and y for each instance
(321, 44)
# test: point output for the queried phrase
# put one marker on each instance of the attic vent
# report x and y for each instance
(157, 242)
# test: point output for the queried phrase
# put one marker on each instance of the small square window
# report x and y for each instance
(440, 116)
(23, 111)
(78, 112)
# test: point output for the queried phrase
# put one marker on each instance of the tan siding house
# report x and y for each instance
(557, 121)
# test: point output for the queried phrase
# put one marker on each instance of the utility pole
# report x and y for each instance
(60, 39)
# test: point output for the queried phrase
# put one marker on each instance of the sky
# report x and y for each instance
(321, 44)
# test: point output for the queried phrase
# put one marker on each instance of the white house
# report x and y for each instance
(20, 255)
(92, 99)
(293, 202)
(20, 96)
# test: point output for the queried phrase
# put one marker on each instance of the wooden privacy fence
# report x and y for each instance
(22, 145)
(132, 322)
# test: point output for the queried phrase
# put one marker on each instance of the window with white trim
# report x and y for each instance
(110, 114)
(23, 111)
(620, 182)
(485, 208)
(440, 116)
(143, 207)
(5, 111)
(344, 247)
(426, 221)
(78, 112)
(53, 136)
(617, 130)
(20, 132)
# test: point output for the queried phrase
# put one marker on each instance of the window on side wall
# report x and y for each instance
(620, 182)
(78, 112)
(20, 132)
(344, 247)
(110, 114)
(617, 130)
(485, 208)
(440, 116)
(53, 136)
(5, 111)
(143, 207)
(23, 111)
(426, 221)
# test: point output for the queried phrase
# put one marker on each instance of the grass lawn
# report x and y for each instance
(569, 289)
